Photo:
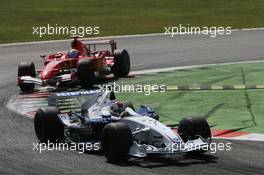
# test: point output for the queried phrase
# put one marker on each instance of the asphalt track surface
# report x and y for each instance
(17, 133)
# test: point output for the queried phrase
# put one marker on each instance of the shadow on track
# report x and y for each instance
(180, 160)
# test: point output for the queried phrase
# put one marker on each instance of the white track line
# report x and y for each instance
(152, 71)
(249, 137)
(248, 29)
(118, 36)
(93, 38)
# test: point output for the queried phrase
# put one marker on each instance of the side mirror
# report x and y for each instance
(43, 56)
(112, 96)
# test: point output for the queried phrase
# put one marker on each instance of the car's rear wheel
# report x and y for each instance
(26, 69)
(192, 127)
(48, 126)
(116, 140)
(85, 73)
(121, 67)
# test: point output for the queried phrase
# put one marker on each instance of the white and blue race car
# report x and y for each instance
(95, 116)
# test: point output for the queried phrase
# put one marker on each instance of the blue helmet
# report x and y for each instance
(73, 53)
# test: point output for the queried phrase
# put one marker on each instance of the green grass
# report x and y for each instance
(117, 17)
(227, 109)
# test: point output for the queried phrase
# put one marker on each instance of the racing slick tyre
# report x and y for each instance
(26, 69)
(85, 73)
(48, 126)
(192, 127)
(121, 67)
(116, 140)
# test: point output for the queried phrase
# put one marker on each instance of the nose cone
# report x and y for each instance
(49, 70)
(46, 74)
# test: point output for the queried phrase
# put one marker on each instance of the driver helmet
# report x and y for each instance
(73, 53)
(118, 107)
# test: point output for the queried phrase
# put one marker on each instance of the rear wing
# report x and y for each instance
(99, 42)
(72, 100)
(89, 44)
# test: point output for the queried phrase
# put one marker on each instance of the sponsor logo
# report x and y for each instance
(77, 93)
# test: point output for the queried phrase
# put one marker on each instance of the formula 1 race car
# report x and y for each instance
(120, 130)
(81, 64)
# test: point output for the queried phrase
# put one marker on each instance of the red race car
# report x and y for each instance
(82, 64)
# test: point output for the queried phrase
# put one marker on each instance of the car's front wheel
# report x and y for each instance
(116, 140)
(48, 126)
(85, 73)
(26, 69)
(121, 67)
(192, 127)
